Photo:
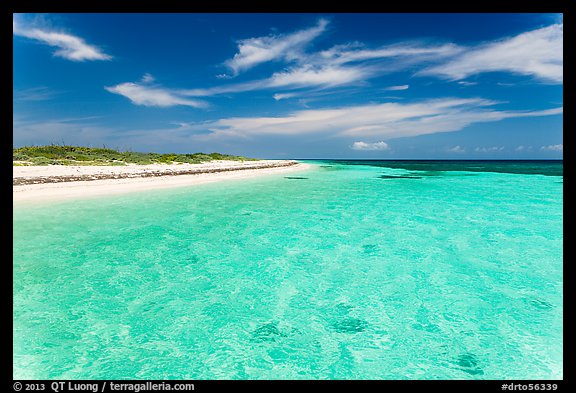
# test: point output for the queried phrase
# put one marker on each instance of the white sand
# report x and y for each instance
(81, 189)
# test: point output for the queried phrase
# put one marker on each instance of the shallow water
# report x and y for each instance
(344, 271)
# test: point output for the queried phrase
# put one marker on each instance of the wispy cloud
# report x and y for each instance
(557, 148)
(327, 76)
(315, 94)
(284, 96)
(147, 78)
(145, 94)
(395, 88)
(456, 149)
(523, 148)
(41, 93)
(294, 78)
(340, 65)
(385, 121)
(254, 51)
(538, 53)
(80, 131)
(68, 46)
(467, 83)
(350, 53)
(370, 146)
(490, 149)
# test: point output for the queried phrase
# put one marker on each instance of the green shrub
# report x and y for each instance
(42, 161)
(19, 157)
(80, 155)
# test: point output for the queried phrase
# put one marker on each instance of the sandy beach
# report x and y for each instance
(56, 182)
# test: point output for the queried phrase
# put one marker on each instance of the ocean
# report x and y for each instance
(347, 270)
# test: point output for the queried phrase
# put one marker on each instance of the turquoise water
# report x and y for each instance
(348, 270)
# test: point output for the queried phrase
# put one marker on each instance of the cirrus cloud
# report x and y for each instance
(537, 53)
(254, 51)
(145, 94)
(68, 46)
(397, 88)
(385, 121)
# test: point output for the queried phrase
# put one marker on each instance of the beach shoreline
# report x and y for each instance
(55, 183)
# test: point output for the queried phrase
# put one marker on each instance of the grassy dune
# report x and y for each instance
(79, 155)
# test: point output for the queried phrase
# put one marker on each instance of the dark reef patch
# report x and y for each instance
(539, 303)
(398, 177)
(349, 325)
(370, 249)
(267, 332)
(192, 258)
(468, 363)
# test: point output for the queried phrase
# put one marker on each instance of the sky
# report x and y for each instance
(363, 86)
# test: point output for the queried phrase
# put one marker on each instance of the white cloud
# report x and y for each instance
(144, 94)
(69, 46)
(491, 149)
(310, 95)
(370, 146)
(457, 149)
(327, 76)
(34, 94)
(385, 121)
(349, 53)
(523, 148)
(330, 69)
(538, 53)
(353, 64)
(327, 68)
(283, 96)
(294, 78)
(254, 51)
(147, 78)
(559, 147)
(394, 88)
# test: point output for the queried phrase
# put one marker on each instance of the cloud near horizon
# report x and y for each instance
(370, 146)
(457, 149)
(558, 148)
(385, 121)
(70, 47)
(489, 149)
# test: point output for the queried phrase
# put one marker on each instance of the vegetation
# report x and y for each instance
(79, 155)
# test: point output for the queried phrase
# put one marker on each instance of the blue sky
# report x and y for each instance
(293, 85)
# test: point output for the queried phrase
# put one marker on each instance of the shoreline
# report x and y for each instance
(55, 183)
